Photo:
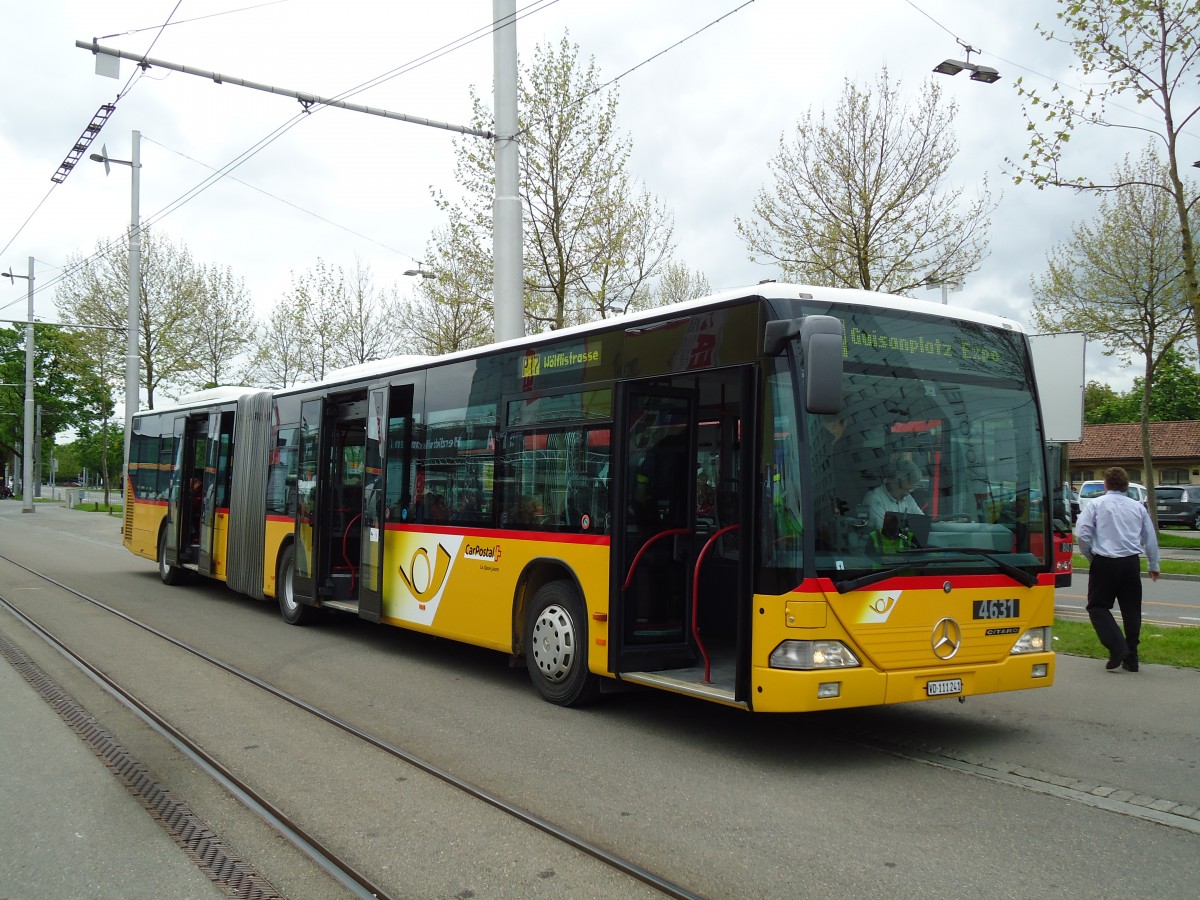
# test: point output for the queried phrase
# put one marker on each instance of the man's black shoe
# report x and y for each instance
(1130, 664)
(1115, 659)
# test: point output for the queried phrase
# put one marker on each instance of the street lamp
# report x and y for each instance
(986, 74)
(420, 271)
(135, 291)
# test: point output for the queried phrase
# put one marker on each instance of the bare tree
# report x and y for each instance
(229, 330)
(370, 327)
(593, 240)
(171, 320)
(279, 347)
(862, 200)
(453, 309)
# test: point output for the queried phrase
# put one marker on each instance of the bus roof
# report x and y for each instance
(767, 290)
(206, 397)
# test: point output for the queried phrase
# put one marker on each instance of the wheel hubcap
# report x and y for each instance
(285, 589)
(553, 644)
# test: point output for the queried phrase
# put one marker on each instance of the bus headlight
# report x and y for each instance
(1035, 640)
(813, 655)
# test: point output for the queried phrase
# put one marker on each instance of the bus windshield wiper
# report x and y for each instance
(1018, 575)
(853, 584)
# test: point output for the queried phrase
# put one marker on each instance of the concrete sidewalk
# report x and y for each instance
(68, 828)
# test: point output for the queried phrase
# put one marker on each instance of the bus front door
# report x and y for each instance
(654, 529)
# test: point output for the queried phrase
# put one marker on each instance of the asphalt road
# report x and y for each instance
(1168, 601)
(1015, 795)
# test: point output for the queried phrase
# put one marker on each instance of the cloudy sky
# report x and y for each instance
(704, 117)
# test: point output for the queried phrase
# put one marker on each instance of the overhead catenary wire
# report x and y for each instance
(142, 61)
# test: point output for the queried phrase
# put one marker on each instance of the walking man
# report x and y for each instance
(1112, 532)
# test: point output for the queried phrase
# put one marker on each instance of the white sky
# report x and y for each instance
(705, 118)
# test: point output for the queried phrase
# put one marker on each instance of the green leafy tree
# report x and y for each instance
(86, 453)
(594, 241)
(1140, 50)
(63, 390)
(1102, 405)
(1176, 394)
(862, 200)
(101, 370)
(1118, 279)
(678, 284)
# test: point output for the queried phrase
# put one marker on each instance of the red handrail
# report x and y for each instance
(696, 600)
(638, 557)
(346, 554)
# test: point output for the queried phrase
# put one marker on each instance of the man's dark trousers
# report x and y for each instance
(1118, 579)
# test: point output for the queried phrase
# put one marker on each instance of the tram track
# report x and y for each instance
(337, 867)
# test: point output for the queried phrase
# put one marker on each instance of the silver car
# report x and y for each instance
(1090, 490)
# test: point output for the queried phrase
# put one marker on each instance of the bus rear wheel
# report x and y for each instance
(168, 573)
(556, 646)
(293, 611)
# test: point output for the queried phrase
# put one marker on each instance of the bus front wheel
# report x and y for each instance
(168, 573)
(294, 612)
(556, 646)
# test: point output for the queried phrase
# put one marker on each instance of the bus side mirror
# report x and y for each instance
(779, 333)
(821, 346)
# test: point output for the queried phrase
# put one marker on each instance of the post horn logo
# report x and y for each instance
(422, 580)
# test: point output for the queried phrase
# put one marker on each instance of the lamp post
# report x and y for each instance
(27, 444)
(135, 291)
(946, 286)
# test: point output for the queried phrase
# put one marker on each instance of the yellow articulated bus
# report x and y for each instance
(782, 499)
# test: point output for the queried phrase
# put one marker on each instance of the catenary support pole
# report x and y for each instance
(508, 287)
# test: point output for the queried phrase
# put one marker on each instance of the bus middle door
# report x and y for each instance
(654, 529)
(309, 516)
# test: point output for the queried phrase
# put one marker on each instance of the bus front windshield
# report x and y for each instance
(935, 462)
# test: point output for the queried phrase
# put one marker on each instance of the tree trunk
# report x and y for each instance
(1147, 460)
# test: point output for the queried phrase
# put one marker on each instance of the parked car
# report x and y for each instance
(1090, 490)
(1178, 504)
(1071, 499)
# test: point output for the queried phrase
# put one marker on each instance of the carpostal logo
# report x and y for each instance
(482, 552)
